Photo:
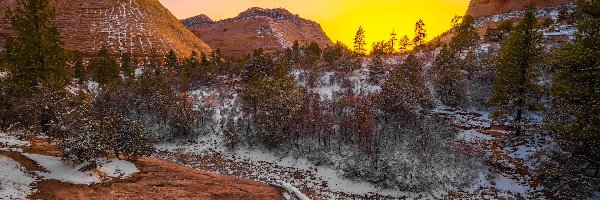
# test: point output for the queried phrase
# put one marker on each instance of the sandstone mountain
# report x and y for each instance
(137, 26)
(484, 8)
(269, 29)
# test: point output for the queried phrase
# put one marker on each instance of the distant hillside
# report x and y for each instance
(122, 25)
(269, 29)
(483, 8)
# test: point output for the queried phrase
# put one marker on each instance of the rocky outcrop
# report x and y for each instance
(270, 29)
(137, 26)
(198, 19)
(483, 8)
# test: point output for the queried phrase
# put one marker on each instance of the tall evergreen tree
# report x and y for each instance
(203, 59)
(449, 82)
(359, 41)
(128, 65)
(516, 90)
(393, 41)
(216, 56)
(576, 91)
(104, 67)
(79, 68)
(36, 53)
(376, 70)
(296, 51)
(420, 33)
(154, 63)
(171, 61)
(313, 53)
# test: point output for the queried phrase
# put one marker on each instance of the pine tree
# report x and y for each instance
(576, 94)
(516, 90)
(359, 41)
(154, 63)
(36, 55)
(128, 65)
(340, 57)
(104, 68)
(376, 70)
(216, 56)
(190, 66)
(393, 42)
(465, 34)
(296, 51)
(449, 82)
(81, 72)
(420, 33)
(404, 44)
(313, 53)
(203, 59)
(171, 61)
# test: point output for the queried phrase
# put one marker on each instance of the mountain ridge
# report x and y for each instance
(484, 8)
(270, 29)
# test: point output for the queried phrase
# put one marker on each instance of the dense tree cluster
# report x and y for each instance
(113, 120)
(573, 117)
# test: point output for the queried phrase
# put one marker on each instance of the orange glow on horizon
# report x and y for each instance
(340, 19)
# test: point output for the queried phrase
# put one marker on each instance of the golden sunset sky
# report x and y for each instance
(340, 18)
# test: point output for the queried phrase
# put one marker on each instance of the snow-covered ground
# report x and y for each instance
(11, 141)
(15, 181)
(61, 171)
(210, 154)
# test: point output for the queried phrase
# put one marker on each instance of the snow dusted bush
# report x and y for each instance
(181, 117)
(564, 173)
(230, 134)
(86, 143)
(414, 159)
(127, 137)
(90, 136)
(480, 86)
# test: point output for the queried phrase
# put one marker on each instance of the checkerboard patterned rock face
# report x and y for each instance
(483, 8)
(269, 29)
(137, 26)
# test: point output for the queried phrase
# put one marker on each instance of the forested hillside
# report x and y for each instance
(511, 113)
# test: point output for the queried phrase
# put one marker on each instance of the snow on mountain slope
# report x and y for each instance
(137, 26)
(269, 29)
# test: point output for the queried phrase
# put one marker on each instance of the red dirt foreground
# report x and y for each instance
(157, 179)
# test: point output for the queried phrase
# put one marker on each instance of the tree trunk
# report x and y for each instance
(519, 119)
(116, 153)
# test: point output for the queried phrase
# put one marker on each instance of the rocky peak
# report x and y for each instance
(276, 13)
(198, 19)
(270, 29)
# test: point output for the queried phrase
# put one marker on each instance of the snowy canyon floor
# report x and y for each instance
(505, 175)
